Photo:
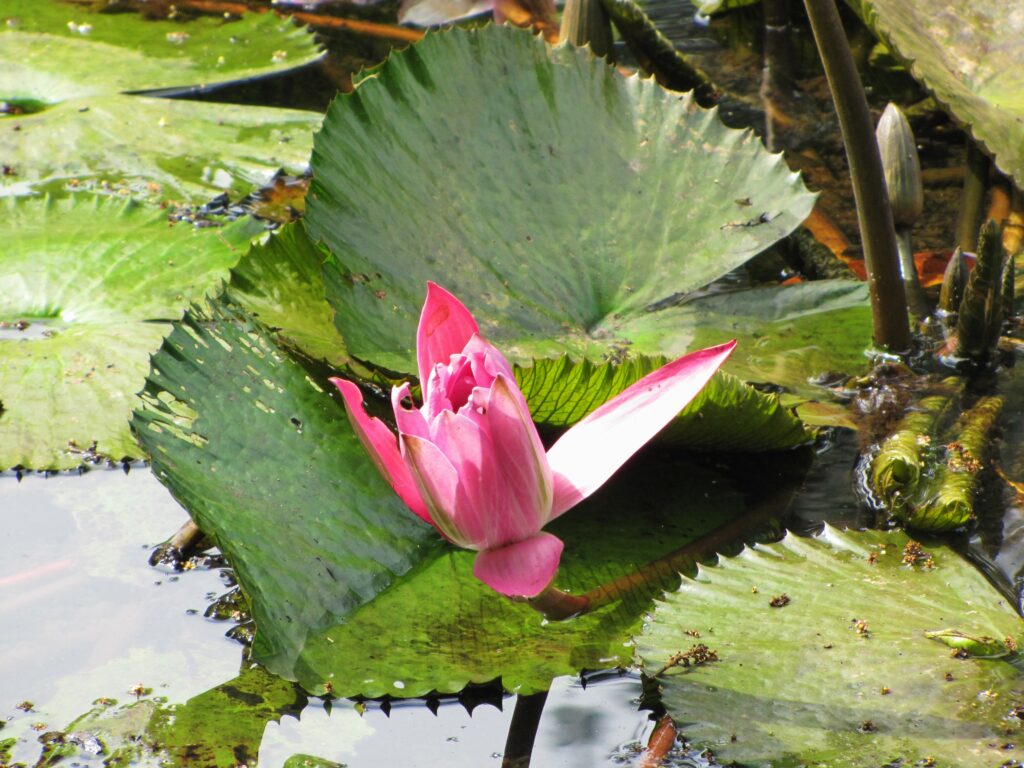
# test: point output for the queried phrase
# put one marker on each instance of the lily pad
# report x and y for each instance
(53, 51)
(153, 148)
(726, 415)
(80, 132)
(280, 285)
(343, 579)
(570, 209)
(968, 54)
(840, 670)
(408, 643)
(97, 282)
(266, 462)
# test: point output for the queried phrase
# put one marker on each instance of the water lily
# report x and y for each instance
(469, 461)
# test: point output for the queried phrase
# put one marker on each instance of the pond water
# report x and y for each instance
(93, 634)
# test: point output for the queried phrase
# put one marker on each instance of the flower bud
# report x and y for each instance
(901, 166)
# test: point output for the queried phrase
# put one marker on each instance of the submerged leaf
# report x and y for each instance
(844, 674)
(157, 149)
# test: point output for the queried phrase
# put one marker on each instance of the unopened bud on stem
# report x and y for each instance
(901, 165)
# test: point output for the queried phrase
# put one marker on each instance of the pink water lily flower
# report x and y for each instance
(469, 461)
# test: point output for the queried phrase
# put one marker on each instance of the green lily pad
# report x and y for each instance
(97, 281)
(408, 643)
(265, 461)
(153, 148)
(570, 209)
(968, 54)
(842, 670)
(220, 728)
(280, 284)
(343, 579)
(53, 51)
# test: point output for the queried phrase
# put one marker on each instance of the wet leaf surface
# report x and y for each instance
(843, 672)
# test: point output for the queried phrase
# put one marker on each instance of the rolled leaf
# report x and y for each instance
(903, 457)
(946, 501)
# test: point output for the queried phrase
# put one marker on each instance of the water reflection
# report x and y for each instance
(84, 615)
(578, 728)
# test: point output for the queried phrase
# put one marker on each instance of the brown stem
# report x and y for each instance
(777, 75)
(874, 215)
(313, 19)
(663, 738)
(972, 200)
(522, 731)
(557, 605)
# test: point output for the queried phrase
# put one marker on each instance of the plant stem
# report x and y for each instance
(972, 200)
(916, 299)
(586, 22)
(522, 731)
(878, 235)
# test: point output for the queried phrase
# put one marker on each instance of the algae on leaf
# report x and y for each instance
(844, 672)
(97, 282)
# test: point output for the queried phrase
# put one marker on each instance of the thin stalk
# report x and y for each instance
(522, 731)
(972, 201)
(878, 235)
(917, 301)
(586, 22)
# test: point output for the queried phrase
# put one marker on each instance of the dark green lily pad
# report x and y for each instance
(408, 643)
(97, 281)
(343, 578)
(54, 51)
(569, 210)
(265, 461)
(968, 54)
(804, 683)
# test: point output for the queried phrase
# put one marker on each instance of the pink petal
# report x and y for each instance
(382, 446)
(589, 453)
(446, 326)
(408, 420)
(522, 569)
(438, 482)
(520, 459)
